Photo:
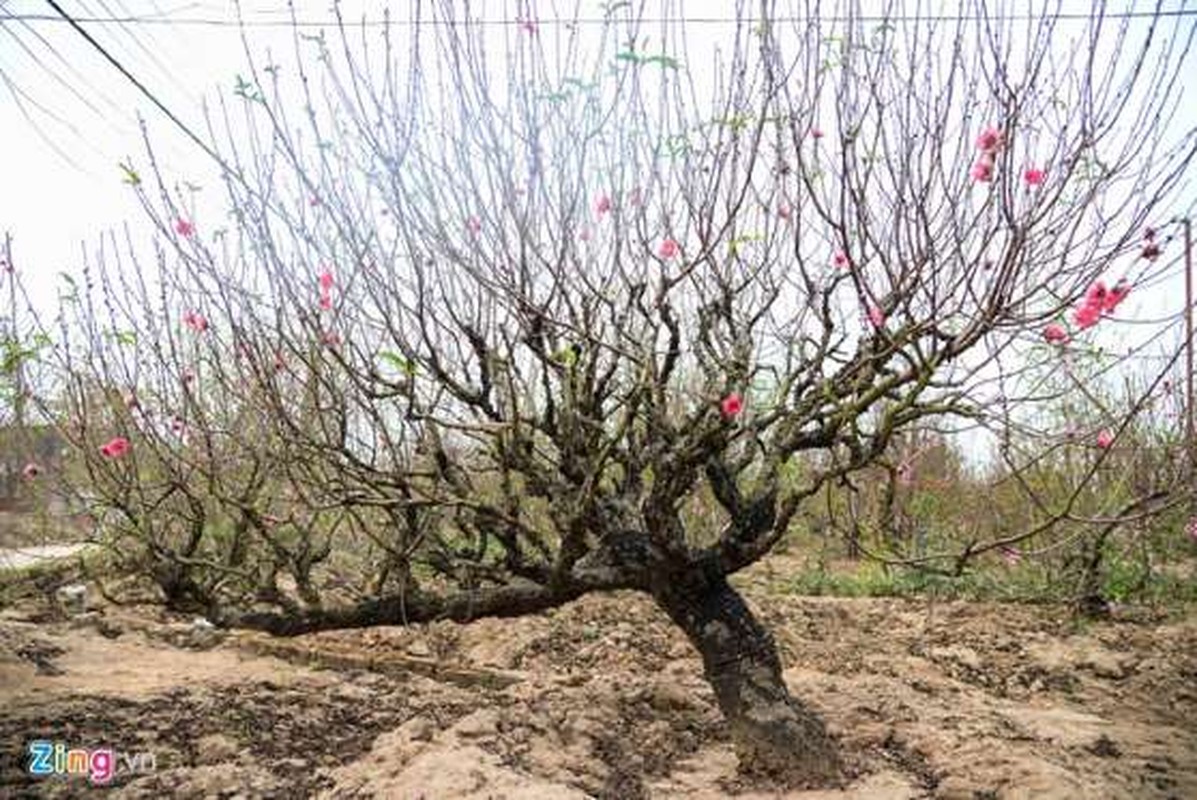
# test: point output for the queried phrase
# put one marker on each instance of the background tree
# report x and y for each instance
(510, 313)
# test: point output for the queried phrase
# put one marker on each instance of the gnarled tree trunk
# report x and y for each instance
(774, 733)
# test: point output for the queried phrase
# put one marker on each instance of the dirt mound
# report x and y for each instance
(604, 698)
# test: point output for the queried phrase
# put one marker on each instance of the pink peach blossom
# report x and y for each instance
(31, 471)
(195, 321)
(731, 406)
(982, 171)
(876, 316)
(1086, 316)
(841, 259)
(184, 228)
(1105, 439)
(1033, 176)
(1096, 294)
(669, 248)
(1055, 333)
(816, 133)
(990, 140)
(602, 205)
(116, 447)
(1115, 296)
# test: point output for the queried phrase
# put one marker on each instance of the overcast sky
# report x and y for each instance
(68, 117)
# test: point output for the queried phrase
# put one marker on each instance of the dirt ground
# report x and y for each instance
(603, 698)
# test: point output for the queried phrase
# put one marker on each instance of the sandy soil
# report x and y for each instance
(34, 555)
(604, 699)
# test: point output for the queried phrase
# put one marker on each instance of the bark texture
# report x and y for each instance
(513, 600)
(774, 733)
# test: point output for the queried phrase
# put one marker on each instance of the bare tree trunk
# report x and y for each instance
(774, 733)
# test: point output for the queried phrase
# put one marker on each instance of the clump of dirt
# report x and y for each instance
(287, 731)
(604, 698)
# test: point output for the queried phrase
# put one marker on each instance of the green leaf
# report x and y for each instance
(737, 122)
(736, 243)
(666, 62)
(566, 355)
(678, 144)
(73, 295)
(14, 355)
(131, 177)
(398, 362)
(580, 84)
(247, 90)
(122, 337)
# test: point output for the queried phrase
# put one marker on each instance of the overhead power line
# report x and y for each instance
(74, 23)
(162, 20)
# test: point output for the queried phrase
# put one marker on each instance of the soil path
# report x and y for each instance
(22, 557)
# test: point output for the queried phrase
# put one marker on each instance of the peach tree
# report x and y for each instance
(504, 312)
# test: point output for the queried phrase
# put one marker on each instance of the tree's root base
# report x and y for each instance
(805, 774)
(797, 754)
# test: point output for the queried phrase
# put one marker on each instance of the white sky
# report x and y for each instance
(80, 105)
